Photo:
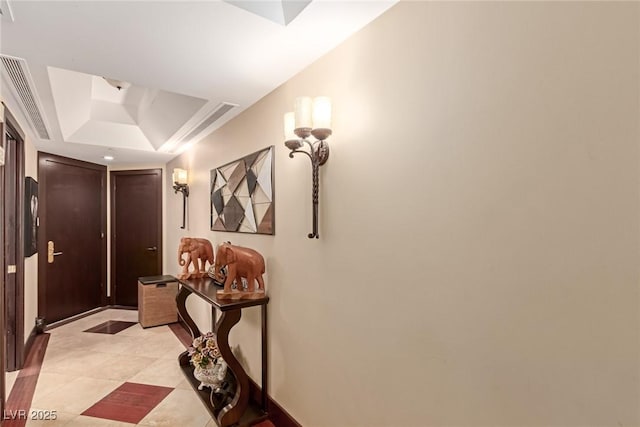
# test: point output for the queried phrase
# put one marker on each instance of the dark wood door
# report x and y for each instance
(72, 226)
(136, 231)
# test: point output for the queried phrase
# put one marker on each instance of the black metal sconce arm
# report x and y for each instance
(184, 189)
(318, 154)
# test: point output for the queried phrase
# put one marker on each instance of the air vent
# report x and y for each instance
(23, 87)
(220, 111)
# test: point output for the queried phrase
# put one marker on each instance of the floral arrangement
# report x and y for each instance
(203, 351)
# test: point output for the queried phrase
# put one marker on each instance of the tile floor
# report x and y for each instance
(128, 373)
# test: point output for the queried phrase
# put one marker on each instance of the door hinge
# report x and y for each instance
(11, 269)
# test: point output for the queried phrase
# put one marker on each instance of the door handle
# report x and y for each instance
(51, 252)
(152, 248)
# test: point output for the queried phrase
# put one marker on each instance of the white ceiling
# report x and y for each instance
(195, 54)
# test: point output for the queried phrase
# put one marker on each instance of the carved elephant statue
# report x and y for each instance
(240, 262)
(199, 252)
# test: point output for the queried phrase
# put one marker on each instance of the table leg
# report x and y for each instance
(181, 300)
(231, 413)
(265, 377)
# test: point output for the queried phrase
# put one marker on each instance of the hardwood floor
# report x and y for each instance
(22, 392)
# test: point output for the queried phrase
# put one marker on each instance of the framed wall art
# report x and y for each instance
(242, 194)
(30, 216)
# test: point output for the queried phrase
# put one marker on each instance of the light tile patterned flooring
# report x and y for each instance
(81, 368)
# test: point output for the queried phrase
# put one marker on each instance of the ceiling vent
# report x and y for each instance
(220, 111)
(23, 87)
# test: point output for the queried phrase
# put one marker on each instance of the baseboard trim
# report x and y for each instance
(122, 307)
(277, 414)
(85, 314)
(74, 318)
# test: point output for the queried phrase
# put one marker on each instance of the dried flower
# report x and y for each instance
(204, 351)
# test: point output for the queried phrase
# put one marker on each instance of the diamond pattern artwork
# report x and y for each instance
(217, 202)
(266, 225)
(220, 181)
(233, 214)
(242, 194)
(237, 176)
(252, 180)
(249, 218)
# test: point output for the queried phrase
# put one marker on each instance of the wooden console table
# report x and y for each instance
(239, 411)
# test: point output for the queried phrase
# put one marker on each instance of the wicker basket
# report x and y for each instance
(157, 300)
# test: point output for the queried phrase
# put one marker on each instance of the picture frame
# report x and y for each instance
(242, 194)
(30, 216)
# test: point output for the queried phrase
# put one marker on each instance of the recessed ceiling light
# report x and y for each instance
(108, 157)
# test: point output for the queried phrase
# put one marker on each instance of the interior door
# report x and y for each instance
(136, 231)
(72, 244)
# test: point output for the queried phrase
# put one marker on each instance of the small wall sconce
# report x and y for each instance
(311, 117)
(179, 179)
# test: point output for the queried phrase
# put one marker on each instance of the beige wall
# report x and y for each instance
(479, 222)
(31, 263)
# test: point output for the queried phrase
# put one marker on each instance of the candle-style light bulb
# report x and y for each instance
(321, 115)
(289, 126)
(291, 140)
(303, 121)
(179, 176)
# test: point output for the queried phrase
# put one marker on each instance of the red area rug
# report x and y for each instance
(129, 403)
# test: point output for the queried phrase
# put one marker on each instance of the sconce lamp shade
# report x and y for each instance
(311, 117)
(289, 126)
(303, 112)
(321, 115)
(179, 176)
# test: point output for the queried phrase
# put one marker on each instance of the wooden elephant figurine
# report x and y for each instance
(240, 262)
(199, 252)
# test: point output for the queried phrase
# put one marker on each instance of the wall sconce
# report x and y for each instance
(179, 179)
(310, 118)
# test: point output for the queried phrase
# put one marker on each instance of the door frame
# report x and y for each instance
(3, 398)
(112, 177)
(17, 234)
(42, 232)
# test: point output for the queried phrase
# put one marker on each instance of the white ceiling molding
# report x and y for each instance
(6, 10)
(205, 127)
(214, 53)
(202, 124)
(93, 111)
(279, 11)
